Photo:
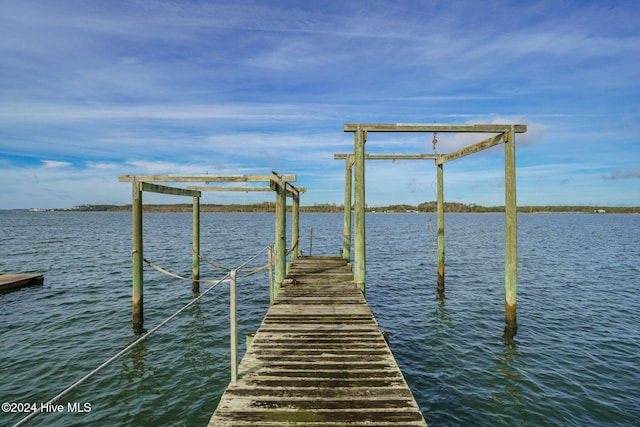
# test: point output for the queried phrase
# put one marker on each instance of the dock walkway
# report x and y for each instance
(318, 359)
(14, 281)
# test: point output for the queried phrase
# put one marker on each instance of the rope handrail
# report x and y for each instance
(294, 246)
(214, 283)
(222, 267)
(213, 264)
(168, 273)
(238, 268)
(256, 271)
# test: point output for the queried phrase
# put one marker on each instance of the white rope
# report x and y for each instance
(222, 267)
(252, 258)
(168, 273)
(136, 342)
(256, 271)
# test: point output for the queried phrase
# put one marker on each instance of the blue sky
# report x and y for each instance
(93, 90)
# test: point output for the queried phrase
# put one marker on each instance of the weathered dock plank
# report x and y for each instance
(14, 281)
(318, 359)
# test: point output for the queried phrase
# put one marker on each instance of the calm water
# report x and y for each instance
(574, 361)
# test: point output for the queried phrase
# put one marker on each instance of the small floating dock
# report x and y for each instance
(318, 359)
(14, 281)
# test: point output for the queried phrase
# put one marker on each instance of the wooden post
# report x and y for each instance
(138, 257)
(440, 174)
(233, 322)
(511, 233)
(295, 226)
(280, 238)
(346, 235)
(195, 269)
(359, 207)
(270, 262)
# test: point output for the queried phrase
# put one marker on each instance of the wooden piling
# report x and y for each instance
(195, 269)
(137, 257)
(280, 235)
(440, 174)
(359, 205)
(346, 234)
(511, 232)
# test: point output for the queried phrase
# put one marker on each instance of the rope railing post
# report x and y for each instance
(233, 326)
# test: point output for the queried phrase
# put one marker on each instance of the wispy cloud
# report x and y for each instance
(47, 113)
(622, 174)
(53, 164)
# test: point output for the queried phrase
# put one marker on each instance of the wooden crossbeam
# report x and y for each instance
(230, 189)
(290, 192)
(155, 188)
(482, 145)
(410, 127)
(390, 156)
(205, 178)
(297, 189)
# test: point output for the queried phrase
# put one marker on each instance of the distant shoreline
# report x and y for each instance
(427, 207)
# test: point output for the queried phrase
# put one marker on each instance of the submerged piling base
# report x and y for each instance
(510, 320)
(138, 317)
(441, 278)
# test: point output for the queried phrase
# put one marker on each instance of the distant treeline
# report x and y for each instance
(326, 207)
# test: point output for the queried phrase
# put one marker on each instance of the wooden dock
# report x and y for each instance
(14, 281)
(318, 359)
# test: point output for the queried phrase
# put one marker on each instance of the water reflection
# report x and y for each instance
(510, 357)
(133, 366)
(441, 316)
(509, 381)
(195, 340)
